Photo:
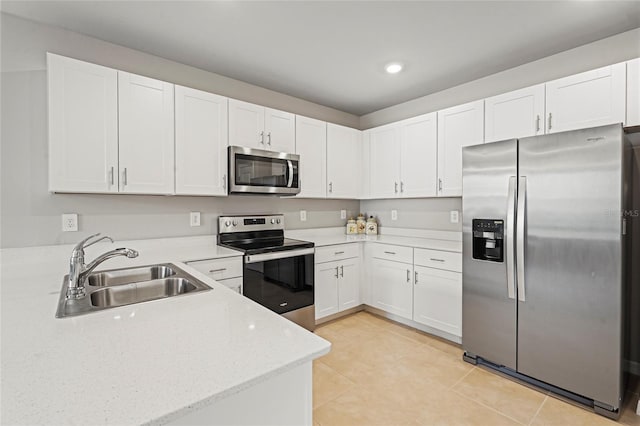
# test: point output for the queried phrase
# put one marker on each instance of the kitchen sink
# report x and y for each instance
(127, 286)
(128, 276)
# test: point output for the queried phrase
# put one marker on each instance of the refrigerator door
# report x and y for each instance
(570, 274)
(488, 297)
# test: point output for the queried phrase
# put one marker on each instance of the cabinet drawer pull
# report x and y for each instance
(342, 271)
(440, 185)
(401, 186)
(124, 177)
(213, 271)
(339, 252)
(111, 177)
(330, 186)
(396, 187)
(269, 138)
(336, 272)
(390, 252)
(408, 276)
(416, 277)
(537, 123)
(549, 123)
(433, 259)
(262, 138)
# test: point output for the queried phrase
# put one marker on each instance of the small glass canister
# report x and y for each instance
(352, 227)
(361, 223)
(372, 226)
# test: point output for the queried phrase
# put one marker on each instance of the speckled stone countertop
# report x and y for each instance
(147, 363)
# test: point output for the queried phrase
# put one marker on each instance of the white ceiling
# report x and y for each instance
(333, 53)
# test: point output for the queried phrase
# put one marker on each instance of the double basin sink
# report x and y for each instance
(119, 287)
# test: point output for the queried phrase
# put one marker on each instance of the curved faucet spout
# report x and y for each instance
(130, 253)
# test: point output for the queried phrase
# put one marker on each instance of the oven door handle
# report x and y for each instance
(255, 258)
(290, 168)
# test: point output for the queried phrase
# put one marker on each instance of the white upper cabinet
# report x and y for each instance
(633, 93)
(83, 126)
(460, 126)
(589, 99)
(255, 126)
(146, 133)
(418, 156)
(384, 157)
(201, 142)
(344, 157)
(515, 114)
(311, 146)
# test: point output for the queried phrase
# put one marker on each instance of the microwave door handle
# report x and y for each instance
(290, 173)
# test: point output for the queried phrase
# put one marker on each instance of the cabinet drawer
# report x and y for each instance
(219, 269)
(234, 284)
(336, 252)
(439, 259)
(391, 252)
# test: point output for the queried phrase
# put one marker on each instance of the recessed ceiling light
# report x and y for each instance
(393, 68)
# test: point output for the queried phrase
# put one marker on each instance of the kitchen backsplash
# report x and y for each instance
(418, 213)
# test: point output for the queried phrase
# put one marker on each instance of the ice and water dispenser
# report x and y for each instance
(488, 239)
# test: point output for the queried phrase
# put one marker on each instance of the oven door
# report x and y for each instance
(281, 281)
(263, 172)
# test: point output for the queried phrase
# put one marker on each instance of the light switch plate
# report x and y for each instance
(454, 216)
(394, 214)
(343, 214)
(194, 218)
(69, 222)
(303, 215)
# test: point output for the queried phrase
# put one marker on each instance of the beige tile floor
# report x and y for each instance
(382, 373)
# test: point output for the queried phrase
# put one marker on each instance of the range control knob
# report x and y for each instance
(235, 223)
(273, 221)
(227, 223)
(278, 221)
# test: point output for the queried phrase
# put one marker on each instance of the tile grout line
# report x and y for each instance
(462, 378)
(546, 397)
(488, 407)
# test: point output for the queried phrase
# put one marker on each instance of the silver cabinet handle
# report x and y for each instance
(390, 252)
(269, 138)
(342, 271)
(224, 181)
(396, 187)
(537, 123)
(124, 177)
(549, 123)
(509, 236)
(213, 271)
(440, 185)
(338, 252)
(520, 223)
(433, 259)
(416, 277)
(262, 137)
(111, 177)
(401, 186)
(330, 186)
(408, 275)
(336, 272)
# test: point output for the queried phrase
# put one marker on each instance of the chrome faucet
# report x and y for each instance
(78, 271)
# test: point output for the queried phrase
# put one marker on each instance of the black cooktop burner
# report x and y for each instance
(256, 246)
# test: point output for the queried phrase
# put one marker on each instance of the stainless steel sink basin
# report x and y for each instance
(119, 287)
(128, 276)
(141, 292)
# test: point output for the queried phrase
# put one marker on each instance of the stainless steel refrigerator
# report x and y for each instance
(543, 261)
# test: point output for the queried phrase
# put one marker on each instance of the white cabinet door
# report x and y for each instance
(201, 142)
(384, 157)
(280, 130)
(326, 289)
(246, 125)
(311, 146)
(83, 126)
(418, 156)
(515, 114)
(146, 132)
(459, 126)
(437, 299)
(633, 93)
(589, 99)
(349, 284)
(392, 287)
(343, 162)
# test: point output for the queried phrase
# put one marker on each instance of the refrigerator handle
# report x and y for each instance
(520, 223)
(510, 237)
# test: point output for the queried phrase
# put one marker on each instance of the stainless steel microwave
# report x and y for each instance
(255, 171)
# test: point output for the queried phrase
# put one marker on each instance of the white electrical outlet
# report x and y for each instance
(303, 215)
(69, 222)
(394, 214)
(343, 214)
(194, 218)
(454, 216)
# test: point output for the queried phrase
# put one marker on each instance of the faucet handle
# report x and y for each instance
(82, 244)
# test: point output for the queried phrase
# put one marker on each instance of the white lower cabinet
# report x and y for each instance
(392, 287)
(337, 282)
(437, 299)
(227, 270)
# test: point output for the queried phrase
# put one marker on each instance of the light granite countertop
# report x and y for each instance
(147, 363)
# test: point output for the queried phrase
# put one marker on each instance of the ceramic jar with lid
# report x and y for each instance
(372, 226)
(352, 227)
(361, 223)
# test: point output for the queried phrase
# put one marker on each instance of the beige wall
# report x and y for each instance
(607, 51)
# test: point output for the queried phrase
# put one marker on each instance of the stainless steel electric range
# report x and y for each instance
(278, 272)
